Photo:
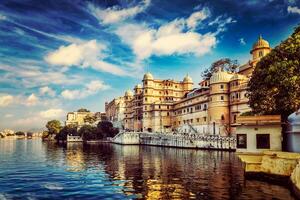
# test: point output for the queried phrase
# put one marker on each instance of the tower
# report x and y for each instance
(260, 48)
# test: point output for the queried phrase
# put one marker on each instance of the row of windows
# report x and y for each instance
(190, 110)
(188, 121)
(166, 84)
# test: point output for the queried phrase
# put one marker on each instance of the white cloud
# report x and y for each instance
(47, 91)
(293, 9)
(170, 38)
(32, 100)
(242, 41)
(84, 54)
(90, 89)
(6, 99)
(52, 113)
(196, 17)
(116, 14)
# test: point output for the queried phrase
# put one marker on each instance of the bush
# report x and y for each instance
(106, 129)
(88, 132)
(20, 133)
(65, 131)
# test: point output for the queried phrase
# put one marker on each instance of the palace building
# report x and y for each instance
(176, 106)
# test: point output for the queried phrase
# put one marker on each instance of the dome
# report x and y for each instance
(294, 118)
(128, 93)
(220, 77)
(261, 43)
(187, 79)
(294, 121)
(238, 77)
(148, 76)
(138, 86)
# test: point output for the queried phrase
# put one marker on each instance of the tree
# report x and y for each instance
(88, 132)
(225, 64)
(53, 127)
(83, 110)
(65, 131)
(20, 133)
(90, 118)
(274, 87)
(106, 129)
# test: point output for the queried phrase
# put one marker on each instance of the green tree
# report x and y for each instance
(53, 127)
(225, 64)
(91, 119)
(106, 129)
(65, 131)
(274, 87)
(20, 133)
(83, 110)
(88, 132)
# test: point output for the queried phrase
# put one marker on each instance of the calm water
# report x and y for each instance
(31, 169)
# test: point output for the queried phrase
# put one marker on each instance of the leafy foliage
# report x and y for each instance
(248, 113)
(88, 132)
(83, 110)
(65, 131)
(90, 119)
(106, 129)
(275, 84)
(53, 127)
(225, 64)
(20, 133)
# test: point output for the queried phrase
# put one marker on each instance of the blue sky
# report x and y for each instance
(60, 55)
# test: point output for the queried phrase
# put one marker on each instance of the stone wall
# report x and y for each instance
(176, 140)
(274, 165)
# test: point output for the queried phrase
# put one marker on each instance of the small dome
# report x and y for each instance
(294, 118)
(138, 86)
(187, 79)
(261, 43)
(128, 93)
(294, 121)
(220, 76)
(148, 76)
(238, 77)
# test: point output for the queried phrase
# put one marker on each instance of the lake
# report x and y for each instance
(32, 169)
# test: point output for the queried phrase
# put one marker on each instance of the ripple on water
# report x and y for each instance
(53, 186)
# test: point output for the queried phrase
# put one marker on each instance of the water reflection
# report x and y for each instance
(129, 172)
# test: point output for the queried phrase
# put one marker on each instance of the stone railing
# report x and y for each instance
(177, 140)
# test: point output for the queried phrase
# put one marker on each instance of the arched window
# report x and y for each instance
(222, 118)
(260, 54)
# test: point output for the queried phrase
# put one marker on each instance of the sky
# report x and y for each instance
(58, 56)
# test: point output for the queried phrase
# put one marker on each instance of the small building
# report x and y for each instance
(74, 138)
(258, 133)
(293, 132)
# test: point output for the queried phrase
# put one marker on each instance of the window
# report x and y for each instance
(168, 113)
(204, 119)
(222, 118)
(198, 119)
(234, 118)
(263, 141)
(222, 86)
(241, 141)
(145, 107)
(260, 54)
(222, 98)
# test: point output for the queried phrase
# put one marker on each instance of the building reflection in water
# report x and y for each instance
(148, 172)
(171, 173)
